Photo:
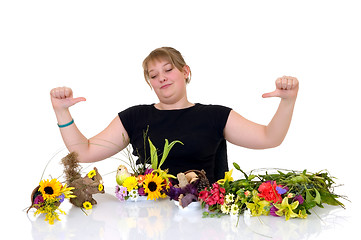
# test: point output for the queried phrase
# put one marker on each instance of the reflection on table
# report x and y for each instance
(162, 219)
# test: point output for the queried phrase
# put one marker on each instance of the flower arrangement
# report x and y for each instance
(292, 194)
(188, 187)
(47, 197)
(150, 181)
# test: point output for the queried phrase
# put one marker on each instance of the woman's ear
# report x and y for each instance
(186, 72)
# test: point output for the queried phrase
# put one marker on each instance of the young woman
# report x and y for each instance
(203, 129)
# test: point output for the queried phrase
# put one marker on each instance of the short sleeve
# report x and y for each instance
(219, 116)
(127, 117)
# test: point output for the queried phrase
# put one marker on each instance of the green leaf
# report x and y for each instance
(167, 148)
(205, 214)
(236, 166)
(318, 197)
(153, 155)
(309, 197)
(227, 186)
(251, 177)
(330, 199)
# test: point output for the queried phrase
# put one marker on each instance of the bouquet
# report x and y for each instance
(290, 194)
(150, 181)
(189, 185)
(47, 197)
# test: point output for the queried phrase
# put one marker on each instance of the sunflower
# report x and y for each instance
(87, 205)
(153, 184)
(50, 189)
(92, 173)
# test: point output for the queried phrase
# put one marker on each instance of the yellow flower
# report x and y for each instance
(130, 183)
(92, 173)
(50, 189)
(87, 205)
(258, 207)
(287, 209)
(227, 177)
(302, 214)
(164, 174)
(100, 187)
(153, 185)
(67, 191)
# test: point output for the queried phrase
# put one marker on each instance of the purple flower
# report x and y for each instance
(299, 198)
(120, 192)
(148, 171)
(141, 192)
(273, 211)
(190, 188)
(61, 198)
(39, 199)
(174, 193)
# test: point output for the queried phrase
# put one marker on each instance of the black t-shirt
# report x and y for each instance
(199, 128)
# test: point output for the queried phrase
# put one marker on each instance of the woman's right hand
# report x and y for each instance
(62, 98)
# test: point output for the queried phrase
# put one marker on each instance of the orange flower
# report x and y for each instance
(140, 180)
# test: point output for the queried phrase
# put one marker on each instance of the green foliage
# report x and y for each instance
(154, 153)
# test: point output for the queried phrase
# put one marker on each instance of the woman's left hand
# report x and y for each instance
(286, 88)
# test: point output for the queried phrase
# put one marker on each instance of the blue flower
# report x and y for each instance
(61, 198)
(281, 190)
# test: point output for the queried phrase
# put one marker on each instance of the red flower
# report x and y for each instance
(203, 195)
(211, 200)
(214, 196)
(269, 193)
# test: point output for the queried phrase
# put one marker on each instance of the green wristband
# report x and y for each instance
(66, 124)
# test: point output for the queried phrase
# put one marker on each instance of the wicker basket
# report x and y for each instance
(203, 180)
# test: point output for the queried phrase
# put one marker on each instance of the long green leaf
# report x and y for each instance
(318, 197)
(167, 148)
(153, 155)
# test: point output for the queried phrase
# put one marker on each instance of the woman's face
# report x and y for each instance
(167, 81)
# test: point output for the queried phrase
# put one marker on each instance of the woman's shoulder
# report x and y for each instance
(139, 107)
(212, 107)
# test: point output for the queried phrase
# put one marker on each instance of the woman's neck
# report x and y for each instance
(173, 106)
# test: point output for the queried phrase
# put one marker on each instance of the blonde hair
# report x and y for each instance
(165, 53)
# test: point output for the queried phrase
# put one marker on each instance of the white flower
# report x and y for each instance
(229, 198)
(225, 208)
(133, 195)
(234, 209)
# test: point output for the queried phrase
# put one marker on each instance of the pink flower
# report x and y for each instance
(221, 199)
(214, 196)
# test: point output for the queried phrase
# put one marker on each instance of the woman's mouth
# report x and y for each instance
(165, 86)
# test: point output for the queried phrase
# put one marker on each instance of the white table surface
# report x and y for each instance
(162, 219)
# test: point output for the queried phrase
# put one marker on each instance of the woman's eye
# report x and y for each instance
(168, 70)
(152, 77)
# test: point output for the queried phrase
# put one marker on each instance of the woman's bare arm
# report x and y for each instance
(243, 132)
(111, 140)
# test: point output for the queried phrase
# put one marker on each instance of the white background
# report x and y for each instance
(236, 50)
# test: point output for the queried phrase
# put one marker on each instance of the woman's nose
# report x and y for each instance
(162, 78)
